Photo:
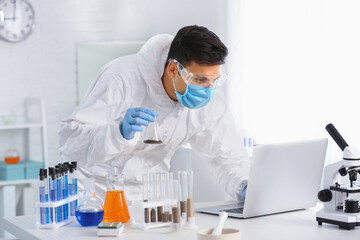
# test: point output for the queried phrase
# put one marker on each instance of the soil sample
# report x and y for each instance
(147, 214)
(152, 142)
(153, 215)
(159, 213)
(176, 215)
(165, 216)
(182, 207)
(190, 208)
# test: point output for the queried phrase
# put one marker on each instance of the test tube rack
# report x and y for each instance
(137, 210)
(52, 208)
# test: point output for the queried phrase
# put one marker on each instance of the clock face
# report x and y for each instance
(16, 20)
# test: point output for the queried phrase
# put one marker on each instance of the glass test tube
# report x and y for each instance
(153, 194)
(59, 210)
(46, 182)
(71, 189)
(159, 195)
(174, 193)
(167, 216)
(183, 194)
(42, 191)
(65, 191)
(74, 179)
(53, 190)
(145, 182)
(190, 201)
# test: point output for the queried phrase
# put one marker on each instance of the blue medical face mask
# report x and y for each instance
(195, 96)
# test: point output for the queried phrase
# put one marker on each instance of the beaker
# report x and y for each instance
(152, 134)
(90, 211)
(115, 209)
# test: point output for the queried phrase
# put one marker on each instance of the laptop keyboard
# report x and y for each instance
(234, 210)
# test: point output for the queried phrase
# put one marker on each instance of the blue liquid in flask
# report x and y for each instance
(89, 217)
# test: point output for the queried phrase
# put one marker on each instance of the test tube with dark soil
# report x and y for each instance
(165, 217)
(153, 215)
(146, 192)
(189, 205)
(183, 194)
(174, 216)
(159, 213)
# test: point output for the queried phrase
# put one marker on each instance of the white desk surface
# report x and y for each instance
(292, 225)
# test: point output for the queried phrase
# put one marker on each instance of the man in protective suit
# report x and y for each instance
(172, 79)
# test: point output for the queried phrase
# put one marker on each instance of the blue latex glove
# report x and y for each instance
(244, 192)
(134, 119)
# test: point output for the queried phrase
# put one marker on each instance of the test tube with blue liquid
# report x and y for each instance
(44, 193)
(71, 189)
(53, 190)
(74, 180)
(59, 210)
(65, 191)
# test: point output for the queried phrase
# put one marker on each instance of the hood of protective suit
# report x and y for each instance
(151, 60)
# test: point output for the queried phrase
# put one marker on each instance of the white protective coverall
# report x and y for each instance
(91, 135)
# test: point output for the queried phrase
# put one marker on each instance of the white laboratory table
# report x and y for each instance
(291, 225)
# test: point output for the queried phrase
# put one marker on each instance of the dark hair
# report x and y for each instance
(198, 44)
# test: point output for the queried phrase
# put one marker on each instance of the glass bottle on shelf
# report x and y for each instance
(12, 155)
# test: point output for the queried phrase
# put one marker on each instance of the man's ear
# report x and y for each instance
(171, 69)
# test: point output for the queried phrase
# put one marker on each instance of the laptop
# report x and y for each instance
(283, 177)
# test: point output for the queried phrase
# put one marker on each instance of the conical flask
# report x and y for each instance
(115, 209)
(152, 134)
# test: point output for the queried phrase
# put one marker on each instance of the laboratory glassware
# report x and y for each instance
(152, 134)
(64, 189)
(90, 212)
(189, 200)
(53, 190)
(59, 211)
(153, 195)
(183, 194)
(160, 193)
(44, 196)
(12, 156)
(175, 209)
(71, 188)
(115, 209)
(167, 178)
(146, 189)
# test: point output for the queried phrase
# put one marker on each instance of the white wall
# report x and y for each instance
(45, 64)
(296, 68)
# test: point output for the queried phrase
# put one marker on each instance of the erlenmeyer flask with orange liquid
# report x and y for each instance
(115, 207)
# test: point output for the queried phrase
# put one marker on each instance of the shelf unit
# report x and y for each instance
(14, 193)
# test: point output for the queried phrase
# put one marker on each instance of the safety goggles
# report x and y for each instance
(203, 81)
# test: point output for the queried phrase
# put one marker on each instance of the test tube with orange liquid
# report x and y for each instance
(115, 207)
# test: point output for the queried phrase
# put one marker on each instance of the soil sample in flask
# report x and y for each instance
(152, 134)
